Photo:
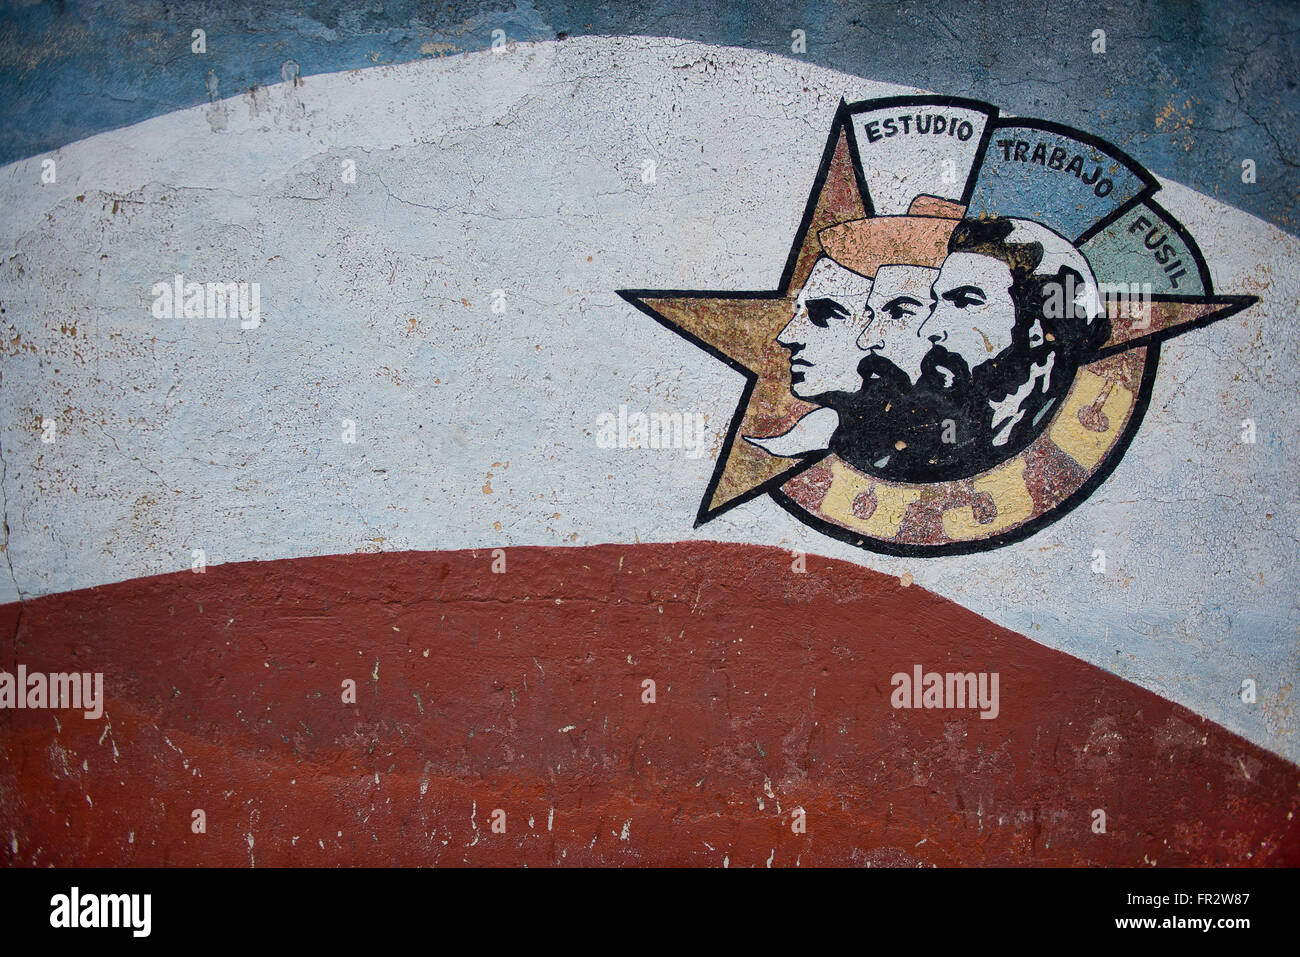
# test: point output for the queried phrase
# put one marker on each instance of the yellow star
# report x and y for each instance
(740, 329)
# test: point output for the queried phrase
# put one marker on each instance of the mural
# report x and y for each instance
(966, 335)
(456, 436)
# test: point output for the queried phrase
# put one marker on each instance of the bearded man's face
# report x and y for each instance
(932, 373)
(930, 331)
(973, 314)
(898, 306)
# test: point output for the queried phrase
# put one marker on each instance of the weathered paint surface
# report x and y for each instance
(477, 429)
(524, 171)
(1190, 88)
(524, 692)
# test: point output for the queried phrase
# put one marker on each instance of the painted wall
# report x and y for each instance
(475, 428)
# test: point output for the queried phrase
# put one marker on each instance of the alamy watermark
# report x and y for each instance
(179, 299)
(653, 430)
(951, 690)
(79, 690)
(1117, 299)
(75, 909)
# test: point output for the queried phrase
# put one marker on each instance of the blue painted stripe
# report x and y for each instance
(1190, 89)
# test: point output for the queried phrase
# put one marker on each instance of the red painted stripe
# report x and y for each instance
(224, 694)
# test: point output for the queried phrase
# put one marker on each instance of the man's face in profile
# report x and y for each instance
(898, 306)
(928, 343)
(972, 316)
(950, 388)
(830, 314)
